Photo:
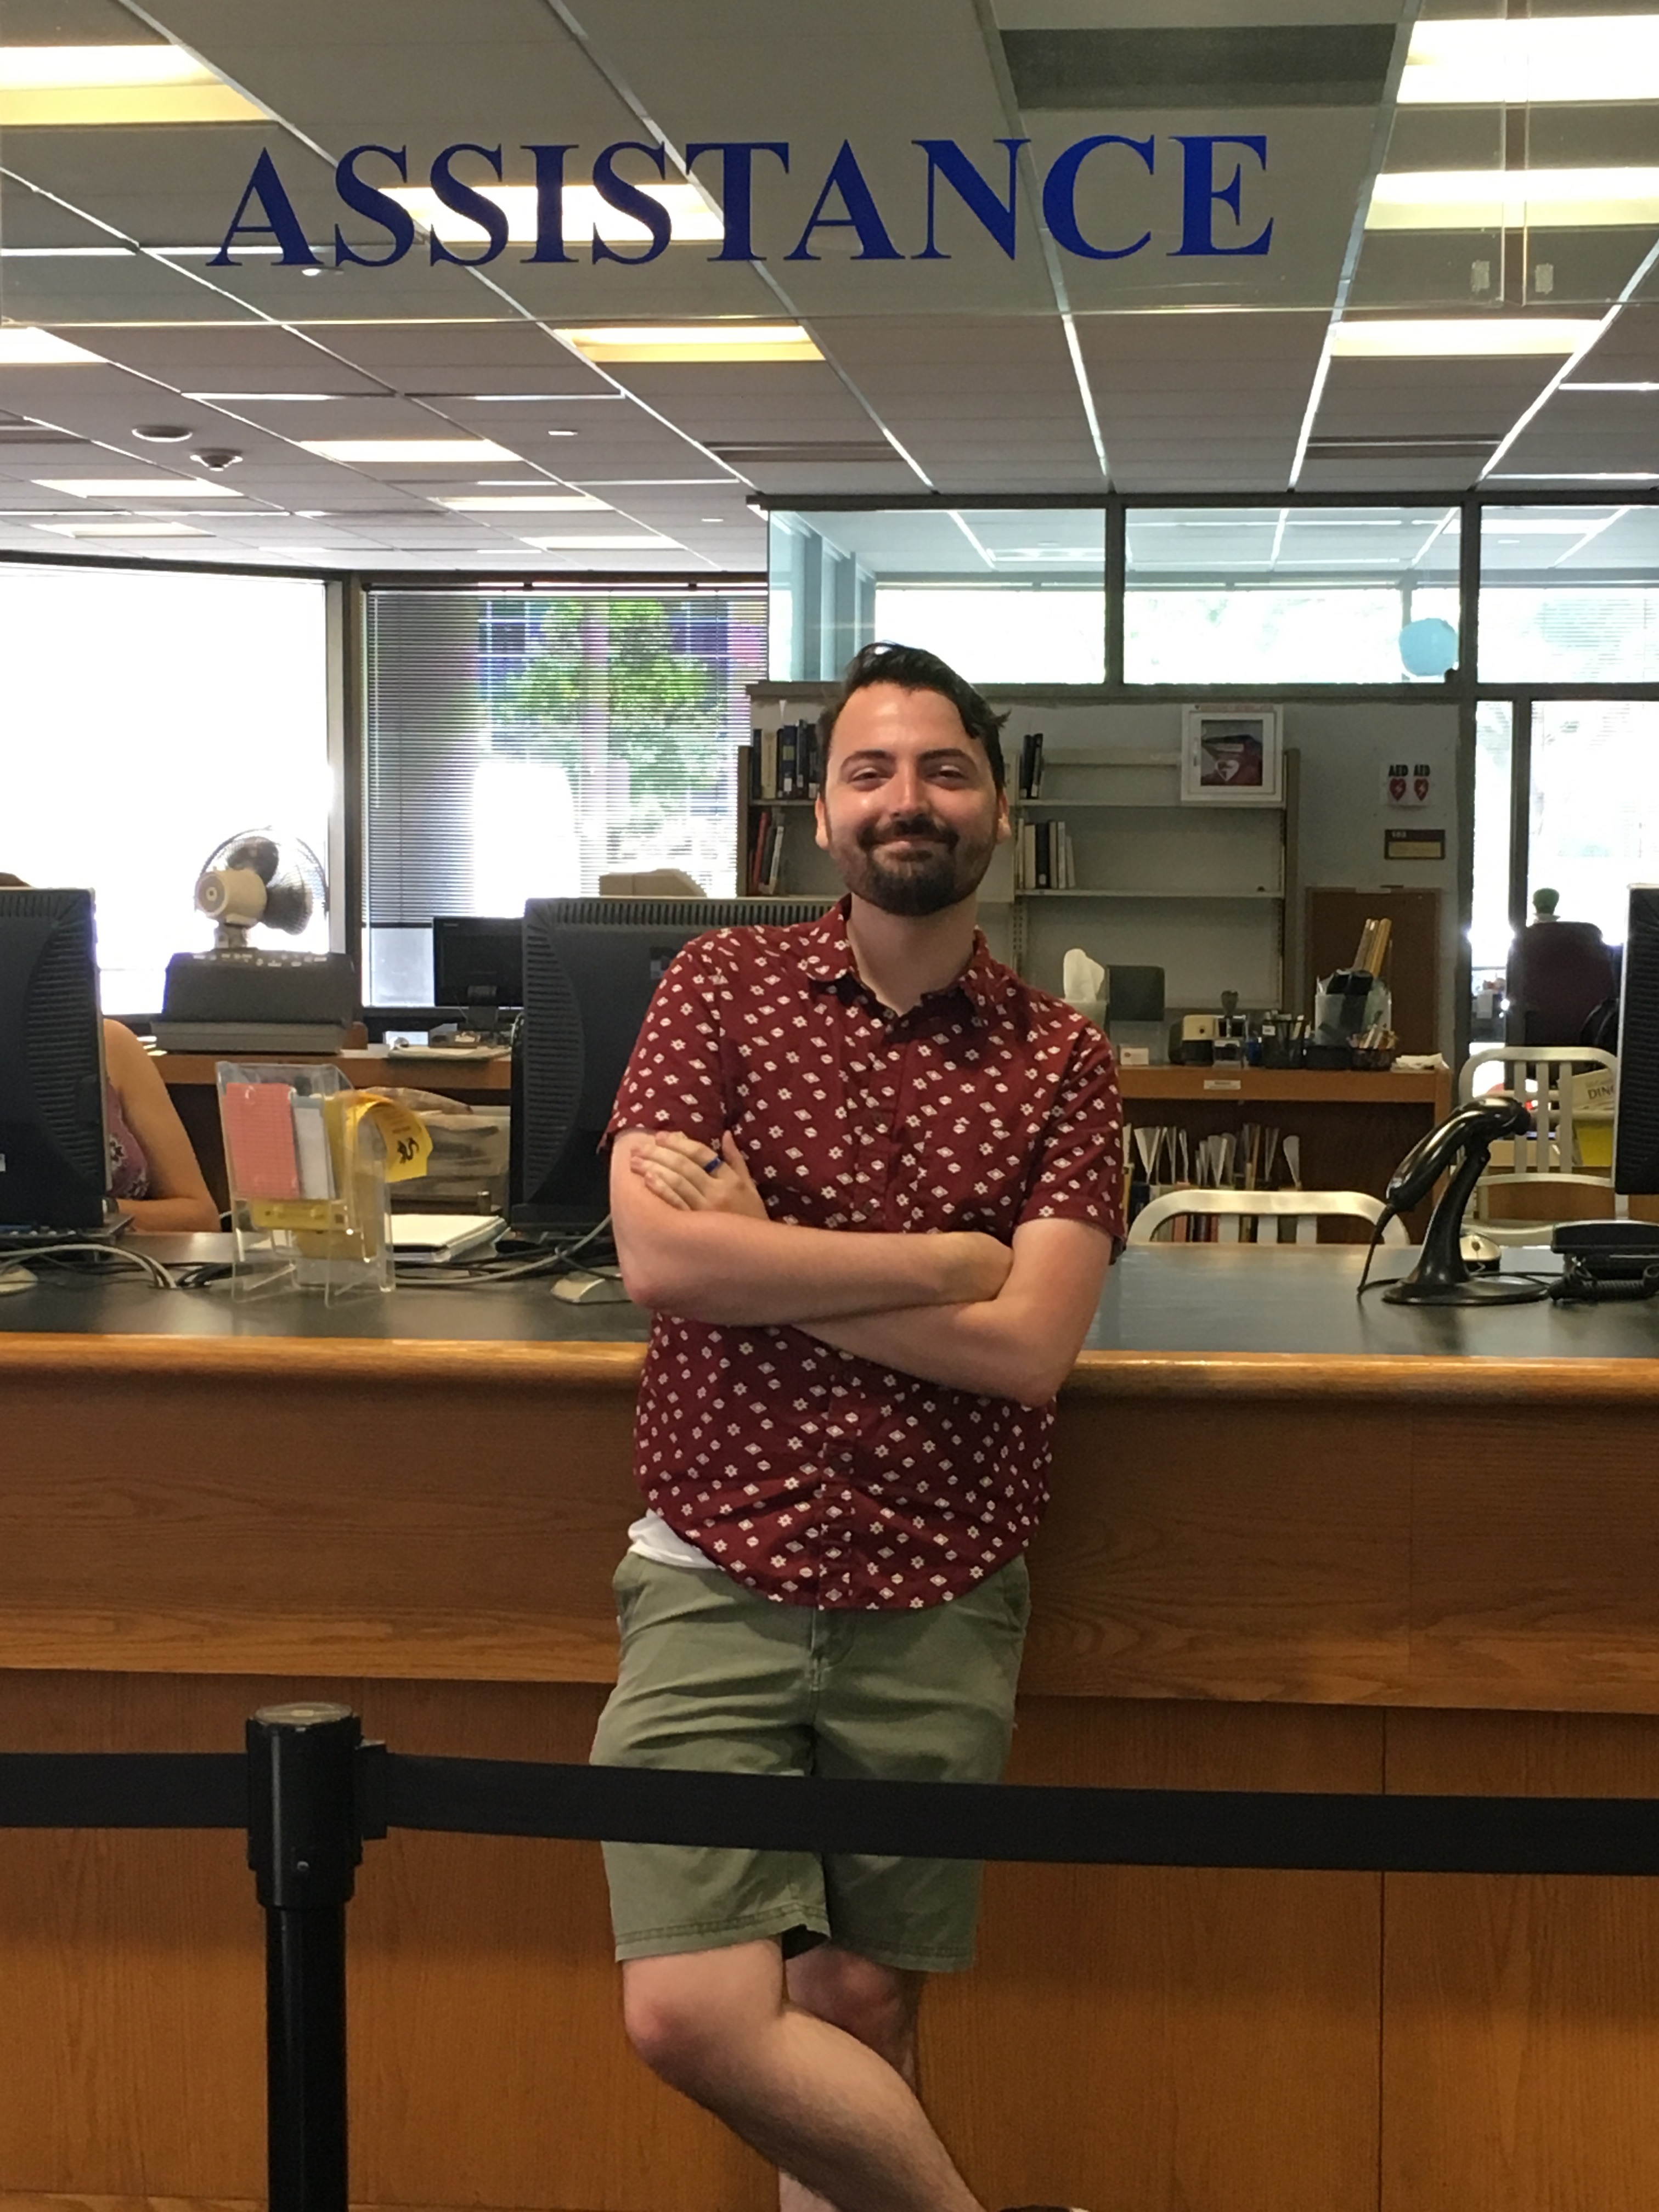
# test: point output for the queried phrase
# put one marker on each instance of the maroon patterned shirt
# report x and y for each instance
(810, 1476)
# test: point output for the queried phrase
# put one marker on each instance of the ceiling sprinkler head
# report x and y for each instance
(217, 457)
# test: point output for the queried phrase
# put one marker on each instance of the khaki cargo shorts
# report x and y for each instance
(713, 1676)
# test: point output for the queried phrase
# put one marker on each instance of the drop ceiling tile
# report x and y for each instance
(1398, 398)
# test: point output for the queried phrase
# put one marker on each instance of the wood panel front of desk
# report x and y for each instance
(1258, 1573)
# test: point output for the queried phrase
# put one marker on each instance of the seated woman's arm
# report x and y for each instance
(180, 1197)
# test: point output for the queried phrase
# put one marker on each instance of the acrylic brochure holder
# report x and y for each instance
(309, 1160)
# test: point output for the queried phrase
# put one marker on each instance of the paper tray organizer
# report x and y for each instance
(308, 1159)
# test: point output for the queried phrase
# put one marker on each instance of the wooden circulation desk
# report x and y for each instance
(1294, 1544)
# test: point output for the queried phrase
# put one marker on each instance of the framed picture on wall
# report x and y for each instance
(1232, 756)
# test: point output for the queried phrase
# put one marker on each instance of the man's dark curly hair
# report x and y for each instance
(913, 668)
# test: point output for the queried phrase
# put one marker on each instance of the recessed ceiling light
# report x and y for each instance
(1514, 199)
(607, 541)
(690, 217)
(711, 518)
(446, 451)
(545, 502)
(1610, 387)
(24, 347)
(693, 341)
(136, 487)
(266, 398)
(79, 85)
(162, 434)
(122, 529)
(66, 253)
(1517, 62)
(514, 483)
(1468, 337)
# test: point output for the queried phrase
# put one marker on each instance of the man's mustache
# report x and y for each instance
(911, 827)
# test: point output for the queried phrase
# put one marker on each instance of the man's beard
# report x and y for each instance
(941, 873)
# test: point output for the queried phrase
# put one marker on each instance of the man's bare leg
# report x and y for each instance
(877, 2004)
(816, 2101)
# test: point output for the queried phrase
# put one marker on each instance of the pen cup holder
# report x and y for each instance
(308, 1159)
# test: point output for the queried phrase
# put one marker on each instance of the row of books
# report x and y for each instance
(1044, 859)
(784, 763)
(763, 860)
(1029, 784)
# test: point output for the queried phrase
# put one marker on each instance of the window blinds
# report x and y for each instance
(521, 746)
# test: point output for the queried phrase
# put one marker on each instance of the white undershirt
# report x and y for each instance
(653, 1539)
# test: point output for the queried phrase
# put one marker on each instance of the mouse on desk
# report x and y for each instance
(604, 1289)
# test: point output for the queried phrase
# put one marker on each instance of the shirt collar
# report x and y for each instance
(827, 956)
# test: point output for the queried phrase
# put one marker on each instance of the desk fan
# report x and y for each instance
(243, 997)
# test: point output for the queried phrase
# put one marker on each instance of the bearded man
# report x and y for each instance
(869, 1182)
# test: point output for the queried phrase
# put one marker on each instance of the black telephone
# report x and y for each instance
(1606, 1260)
(1441, 1277)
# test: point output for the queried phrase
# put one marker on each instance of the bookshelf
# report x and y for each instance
(1206, 892)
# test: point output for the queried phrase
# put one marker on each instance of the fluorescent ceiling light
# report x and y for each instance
(609, 542)
(207, 252)
(1533, 525)
(158, 83)
(265, 399)
(690, 217)
(694, 342)
(1521, 61)
(1610, 387)
(402, 450)
(122, 529)
(65, 253)
(1468, 337)
(25, 347)
(136, 487)
(548, 502)
(1514, 199)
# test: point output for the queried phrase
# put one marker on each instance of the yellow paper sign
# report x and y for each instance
(407, 1139)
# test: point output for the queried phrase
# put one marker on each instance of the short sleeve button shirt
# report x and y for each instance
(810, 1476)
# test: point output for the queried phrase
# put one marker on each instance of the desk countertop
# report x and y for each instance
(1174, 1305)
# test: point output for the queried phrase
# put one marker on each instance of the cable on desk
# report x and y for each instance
(485, 1274)
(93, 1259)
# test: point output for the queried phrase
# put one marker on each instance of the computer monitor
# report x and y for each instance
(54, 1149)
(478, 966)
(589, 967)
(1636, 1131)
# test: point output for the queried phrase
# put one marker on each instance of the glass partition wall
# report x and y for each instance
(1536, 619)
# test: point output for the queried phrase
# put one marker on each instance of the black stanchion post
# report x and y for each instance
(305, 1844)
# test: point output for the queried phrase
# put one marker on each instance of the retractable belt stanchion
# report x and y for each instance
(305, 1844)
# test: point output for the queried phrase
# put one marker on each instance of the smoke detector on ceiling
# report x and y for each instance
(217, 457)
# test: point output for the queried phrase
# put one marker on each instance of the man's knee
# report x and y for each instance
(689, 2017)
(877, 2004)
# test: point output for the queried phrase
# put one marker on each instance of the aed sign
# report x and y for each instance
(1213, 181)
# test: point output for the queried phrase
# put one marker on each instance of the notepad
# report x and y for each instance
(258, 1119)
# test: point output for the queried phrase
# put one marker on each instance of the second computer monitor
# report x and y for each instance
(591, 965)
(478, 966)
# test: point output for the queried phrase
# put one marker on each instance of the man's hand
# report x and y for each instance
(684, 1173)
(690, 1239)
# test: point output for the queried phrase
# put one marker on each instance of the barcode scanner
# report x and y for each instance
(1442, 1277)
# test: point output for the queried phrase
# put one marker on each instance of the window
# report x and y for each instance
(1006, 595)
(1570, 594)
(522, 746)
(1595, 827)
(147, 716)
(1283, 595)
(1490, 928)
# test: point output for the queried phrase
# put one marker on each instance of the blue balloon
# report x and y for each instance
(1428, 648)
